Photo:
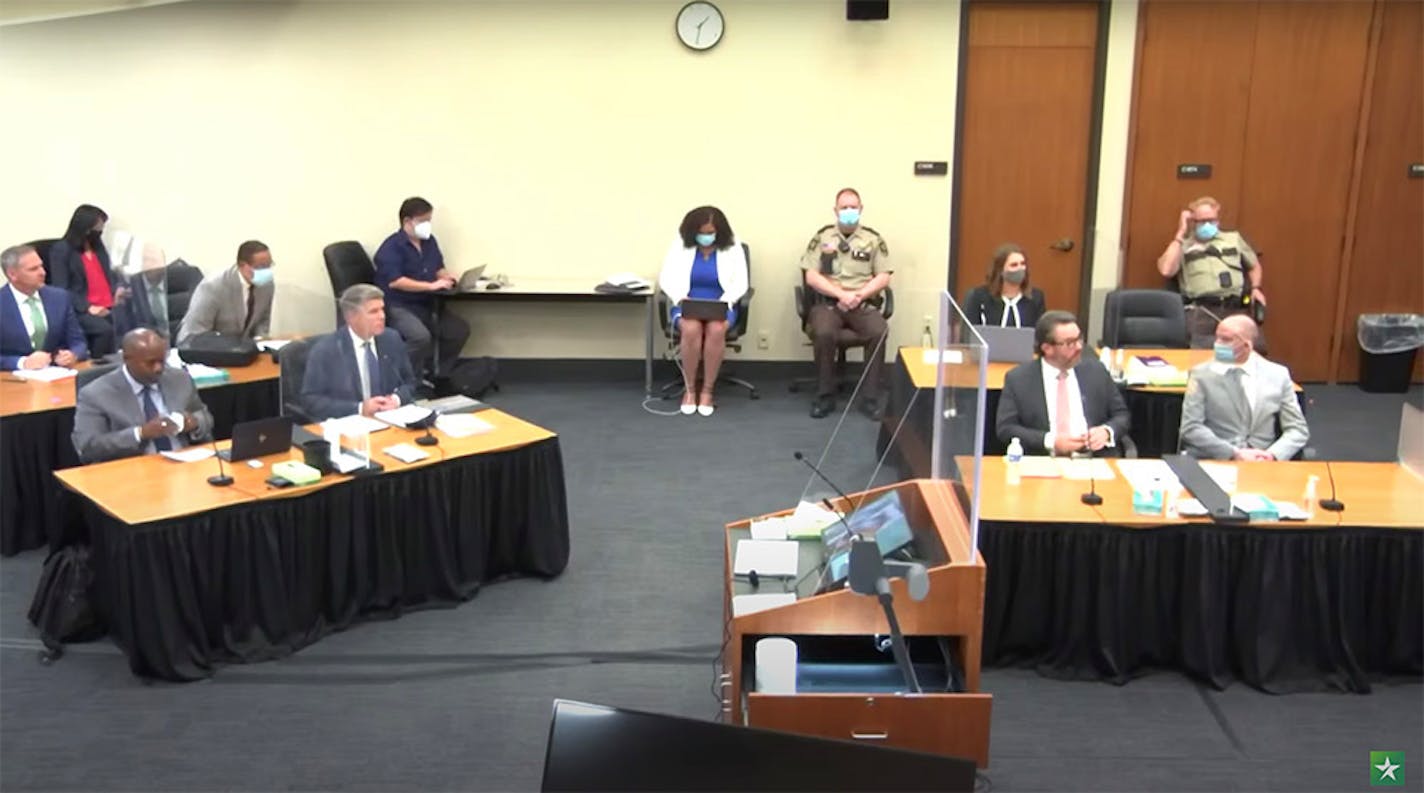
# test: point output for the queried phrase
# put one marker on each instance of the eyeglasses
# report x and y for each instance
(1076, 341)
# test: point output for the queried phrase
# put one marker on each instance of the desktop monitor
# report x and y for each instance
(600, 748)
(881, 518)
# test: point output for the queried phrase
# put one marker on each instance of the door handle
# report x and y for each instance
(869, 736)
(1064, 245)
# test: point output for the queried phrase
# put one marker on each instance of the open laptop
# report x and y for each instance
(470, 279)
(258, 438)
(693, 308)
(1007, 345)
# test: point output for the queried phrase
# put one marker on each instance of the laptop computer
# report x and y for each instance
(703, 309)
(258, 439)
(1008, 345)
(470, 279)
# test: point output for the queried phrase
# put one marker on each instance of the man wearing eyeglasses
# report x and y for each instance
(1213, 268)
(1063, 403)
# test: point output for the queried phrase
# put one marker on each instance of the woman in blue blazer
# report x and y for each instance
(1007, 299)
(79, 264)
(705, 262)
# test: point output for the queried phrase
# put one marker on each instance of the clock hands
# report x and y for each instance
(698, 39)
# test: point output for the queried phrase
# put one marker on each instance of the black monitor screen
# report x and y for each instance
(598, 748)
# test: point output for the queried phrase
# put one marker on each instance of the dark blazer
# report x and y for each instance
(1023, 411)
(331, 386)
(62, 333)
(66, 267)
(982, 308)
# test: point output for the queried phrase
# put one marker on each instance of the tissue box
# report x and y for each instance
(1147, 502)
(1256, 506)
(295, 472)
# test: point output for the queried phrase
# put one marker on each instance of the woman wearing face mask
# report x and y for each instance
(79, 263)
(705, 262)
(1006, 299)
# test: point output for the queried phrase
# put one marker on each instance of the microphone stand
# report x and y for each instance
(1331, 504)
(1091, 498)
(222, 479)
(868, 575)
(798, 455)
(426, 423)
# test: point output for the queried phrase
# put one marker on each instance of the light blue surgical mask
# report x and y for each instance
(706, 240)
(1224, 353)
(262, 277)
(1207, 230)
(848, 216)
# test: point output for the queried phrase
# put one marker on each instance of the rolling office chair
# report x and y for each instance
(1144, 318)
(347, 265)
(183, 280)
(734, 336)
(293, 361)
(89, 375)
(805, 298)
(42, 248)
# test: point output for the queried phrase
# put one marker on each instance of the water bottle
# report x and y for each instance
(927, 338)
(1307, 504)
(1011, 461)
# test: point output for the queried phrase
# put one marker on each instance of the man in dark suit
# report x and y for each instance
(361, 368)
(1062, 403)
(38, 326)
(141, 407)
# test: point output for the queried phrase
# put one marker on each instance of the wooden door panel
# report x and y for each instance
(1387, 266)
(1193, 81)
(1306, 91)
(1027, 119)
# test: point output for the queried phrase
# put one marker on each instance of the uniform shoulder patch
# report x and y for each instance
(816, 238)
(884, 249)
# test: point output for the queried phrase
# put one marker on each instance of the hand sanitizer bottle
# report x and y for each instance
(1308, 500)
(927, 338)
(1011, 461)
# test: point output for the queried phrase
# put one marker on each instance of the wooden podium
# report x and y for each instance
(940, 723)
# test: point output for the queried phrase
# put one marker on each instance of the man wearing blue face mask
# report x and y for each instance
(846, 267)
(1213, 268)
(1235, 402)
(236, 301)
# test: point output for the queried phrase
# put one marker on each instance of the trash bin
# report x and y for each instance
(1388, 343)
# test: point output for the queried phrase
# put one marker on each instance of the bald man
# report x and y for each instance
(142, 407)
(1240, 406)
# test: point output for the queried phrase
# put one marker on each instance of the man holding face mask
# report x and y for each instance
(409, 266)
(1212, 268)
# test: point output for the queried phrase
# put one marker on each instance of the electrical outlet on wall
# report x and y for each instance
(763, 340)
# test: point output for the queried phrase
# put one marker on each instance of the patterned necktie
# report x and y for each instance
(1063, 408)
(150, 412)
(373, 369)
(37, 320)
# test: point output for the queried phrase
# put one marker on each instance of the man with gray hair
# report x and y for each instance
(361, 368)
(38, 326)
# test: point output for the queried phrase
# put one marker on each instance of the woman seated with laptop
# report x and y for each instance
(704, 267)
(1006, 299)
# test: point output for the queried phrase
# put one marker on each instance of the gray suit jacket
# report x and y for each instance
(218, 304)
(107, 412)
(1216, 421)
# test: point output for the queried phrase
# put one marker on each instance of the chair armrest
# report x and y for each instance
(661, 306)
(1129, 448)
(888, 307)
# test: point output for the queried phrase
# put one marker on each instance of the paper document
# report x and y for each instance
(404, 415)
(406, 453)
(1190, 508)
(49, 374)
(1223, 474)
(929, 354)
(354, 424)
(767, 557)
(272, 345)
(192, 454)
(743, 605)
(1085, 468)
(769, 529)
(1039, 466)
(1289, 510)
(1144, 475)
(462, 425)
(345, 462)
(808, 521)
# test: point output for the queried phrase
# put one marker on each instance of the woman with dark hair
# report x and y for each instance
(79, 264)
(1006, 299)
(705, 262)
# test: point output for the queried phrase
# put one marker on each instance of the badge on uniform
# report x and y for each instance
(1225, 278)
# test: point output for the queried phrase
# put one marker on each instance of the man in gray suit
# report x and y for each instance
(1233, 402)
(236, 301)
(141, 407)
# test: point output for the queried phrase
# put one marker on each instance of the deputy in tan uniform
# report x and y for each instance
(847, 265)
(1212, 268)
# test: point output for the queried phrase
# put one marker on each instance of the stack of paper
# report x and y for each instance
(354, 424)
(767, 557)
(462, 425)
(743, 605)
(1039, 466)
(1156, 373)
(203, 374)
(403, 416)
(406, 453)
(190, 454)
(49, 374)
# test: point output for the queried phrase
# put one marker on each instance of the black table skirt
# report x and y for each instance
(1280, 610)
(35, 509)
(260, 581)
(1156, 421)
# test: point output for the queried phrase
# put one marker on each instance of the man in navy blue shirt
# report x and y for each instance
(409, 266)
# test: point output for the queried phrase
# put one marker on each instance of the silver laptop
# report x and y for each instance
(470, 279)
(1007, 345)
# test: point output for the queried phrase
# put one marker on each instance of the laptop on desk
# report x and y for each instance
(470, 279)
(1007, 345)
(258, 438)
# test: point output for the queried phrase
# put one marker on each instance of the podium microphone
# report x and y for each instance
(1331, 504)
(426, 423)
(798, 455)
(222, 479)
(1091, 498)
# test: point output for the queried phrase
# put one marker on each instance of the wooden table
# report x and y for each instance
(190, 577)
(1105, 593)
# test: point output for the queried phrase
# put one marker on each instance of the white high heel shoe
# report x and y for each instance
(704, 410)
(688, 410)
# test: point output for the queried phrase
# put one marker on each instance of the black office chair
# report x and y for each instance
(183, 280)
(347, 265)
(1144, 318)
(293, 361)
(42, 248)
(89, 375)
(806, 297)
(734, 338)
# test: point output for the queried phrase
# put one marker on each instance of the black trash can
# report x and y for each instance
(1388, 344)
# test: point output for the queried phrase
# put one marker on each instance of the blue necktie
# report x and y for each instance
(150, 412)
(373, 369)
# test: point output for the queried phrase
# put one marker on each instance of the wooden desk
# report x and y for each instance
(22, 396)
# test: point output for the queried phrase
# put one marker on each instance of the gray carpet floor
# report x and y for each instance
(459, 699)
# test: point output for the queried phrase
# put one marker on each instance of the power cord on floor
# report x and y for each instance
(647, 400)
(982, 782)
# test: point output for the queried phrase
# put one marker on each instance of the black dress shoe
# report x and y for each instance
(874, 408)
(822, 407)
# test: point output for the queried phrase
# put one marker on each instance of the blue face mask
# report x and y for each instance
(1207, 230)
(1224, 353)
(848, 216)
(262, 277)
(706, 240)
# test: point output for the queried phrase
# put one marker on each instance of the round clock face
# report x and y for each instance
(700, 25)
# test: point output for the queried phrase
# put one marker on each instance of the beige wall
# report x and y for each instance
(555, 139)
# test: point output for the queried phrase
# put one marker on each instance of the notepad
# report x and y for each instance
(403, 416)
(191, 454)
(49, 374)
(406, 453)
(462, 425)
(767, 557)
(743, 605)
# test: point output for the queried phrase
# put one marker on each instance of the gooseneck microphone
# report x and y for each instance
(798, 455)
(1331, 504)
(222, 479)
(426, 423)
(1091, 498)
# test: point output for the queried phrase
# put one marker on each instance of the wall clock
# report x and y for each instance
(700, 26)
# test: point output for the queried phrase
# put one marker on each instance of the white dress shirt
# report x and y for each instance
(158, 402)
(358, 344)
(21, 303)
